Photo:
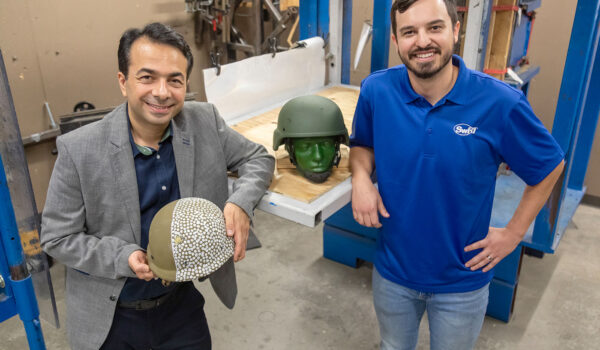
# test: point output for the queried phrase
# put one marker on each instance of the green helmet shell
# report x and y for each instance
(309, 116)
(188, 240)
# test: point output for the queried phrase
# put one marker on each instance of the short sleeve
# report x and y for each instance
(362, 125)
(527, 146)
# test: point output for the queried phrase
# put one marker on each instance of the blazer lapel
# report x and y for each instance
(183, 149)
(124, 170)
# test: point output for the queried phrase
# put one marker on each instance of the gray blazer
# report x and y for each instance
(91, 220)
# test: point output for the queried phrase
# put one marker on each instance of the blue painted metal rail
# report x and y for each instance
(17, 295)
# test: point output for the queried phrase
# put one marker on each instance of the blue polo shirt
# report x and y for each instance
(158, 185)
(436, 170)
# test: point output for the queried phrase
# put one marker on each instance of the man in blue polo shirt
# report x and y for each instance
(436, 133)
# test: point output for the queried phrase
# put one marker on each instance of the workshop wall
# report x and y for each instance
(548, 49)
(361, 12)
(64, 52)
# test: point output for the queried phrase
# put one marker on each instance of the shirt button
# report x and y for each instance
(164, 188)
(429, 131)
(113, 298)
(158, 156)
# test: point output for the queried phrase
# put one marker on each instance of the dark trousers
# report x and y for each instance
(178, 324)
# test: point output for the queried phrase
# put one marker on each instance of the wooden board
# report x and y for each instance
(501, 32)
(284, 4)
(463, 28)
(287, 181)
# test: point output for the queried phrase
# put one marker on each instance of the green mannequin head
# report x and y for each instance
(311, 128)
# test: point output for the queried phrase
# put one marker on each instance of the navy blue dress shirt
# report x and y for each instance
(158, 185)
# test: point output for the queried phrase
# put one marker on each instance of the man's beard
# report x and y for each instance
(426, 71)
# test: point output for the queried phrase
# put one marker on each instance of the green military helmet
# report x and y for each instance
(309, 116)
(188, 240)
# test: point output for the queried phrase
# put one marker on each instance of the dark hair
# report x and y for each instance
(403, 5)
(157, 33)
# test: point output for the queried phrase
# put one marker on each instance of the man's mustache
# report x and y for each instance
(424, 50)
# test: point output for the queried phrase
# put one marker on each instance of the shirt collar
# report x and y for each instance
(456, 95)
(459, 92)
(144, 150)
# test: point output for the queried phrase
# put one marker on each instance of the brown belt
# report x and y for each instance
(144, 304)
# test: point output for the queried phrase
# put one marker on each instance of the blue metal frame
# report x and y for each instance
(314, 20)
(346, 41)
(323, 20)
(380, 48)
(589, 122)
(574, 93)
(19, 295)
(308, 18)
(520, 40)
(8, 307)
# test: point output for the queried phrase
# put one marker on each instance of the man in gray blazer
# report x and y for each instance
(112, 176)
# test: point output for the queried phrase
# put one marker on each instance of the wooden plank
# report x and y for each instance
(287, 181)
(502, 27)
(490, 36)
(284, 4)
(463, 30)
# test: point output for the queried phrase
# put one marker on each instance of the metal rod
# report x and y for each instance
(273, 10)
(241, 47)
(52, 123)
(238, 35)
(41, 136)
(258, 26)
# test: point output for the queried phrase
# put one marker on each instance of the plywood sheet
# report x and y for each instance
(502, 25)
(284, 4)
(287, 181)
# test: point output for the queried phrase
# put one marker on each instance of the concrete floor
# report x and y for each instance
(291, 298)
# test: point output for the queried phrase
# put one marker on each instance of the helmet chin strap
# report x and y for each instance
(289, 147)
(338, 154)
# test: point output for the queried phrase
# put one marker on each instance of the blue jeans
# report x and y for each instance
(455, 319)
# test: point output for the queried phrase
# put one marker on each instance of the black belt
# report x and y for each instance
(145, 304)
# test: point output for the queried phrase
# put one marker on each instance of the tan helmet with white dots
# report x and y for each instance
(188, 240)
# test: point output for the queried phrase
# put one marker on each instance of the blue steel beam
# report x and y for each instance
(308, 18)
(323, 19)
(380, 49)
(571, 99)
(589, 121)
(19, 277)
(346, 41)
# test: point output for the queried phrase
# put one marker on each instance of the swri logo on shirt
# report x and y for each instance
(464, 129)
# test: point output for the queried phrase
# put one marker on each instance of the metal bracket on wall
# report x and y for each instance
(365, 35)
(51, 133)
